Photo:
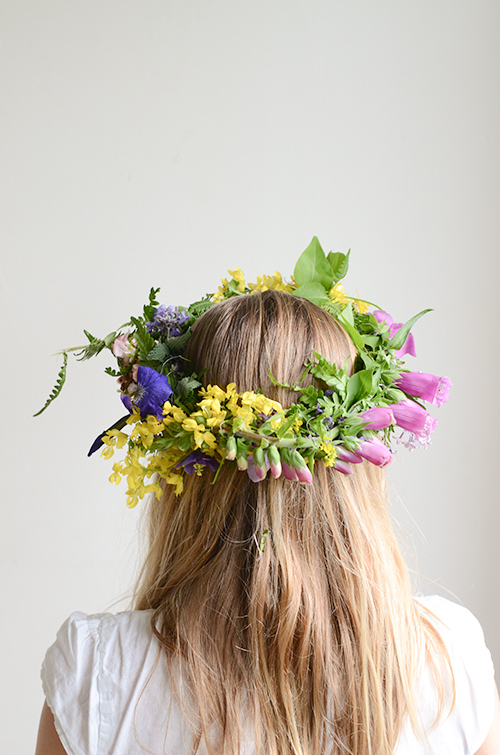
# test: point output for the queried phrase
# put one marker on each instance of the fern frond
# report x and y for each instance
(58, 386)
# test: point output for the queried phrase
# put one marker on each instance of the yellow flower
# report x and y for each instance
(274, 282)
(361, 306)
(237, 275)
(116, 476)
(330, 453)
(338, 295)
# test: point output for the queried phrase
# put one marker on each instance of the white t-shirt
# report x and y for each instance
(107, 683)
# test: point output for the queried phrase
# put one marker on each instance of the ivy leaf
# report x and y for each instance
(313, 267)
(56, 390)
(400, 337)
(314, 292)
(340, 265)
(359, 386)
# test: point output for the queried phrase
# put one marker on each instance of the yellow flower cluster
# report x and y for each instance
(264, 282)
(337, 294)
(236, 275)
(330, 453)
(273, 282)
(196, 431)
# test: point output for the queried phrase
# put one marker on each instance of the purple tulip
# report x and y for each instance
(342, 467)
(410, 416)
(429, 388)
(302, 470)
(374, 451)
(196, 457)
(344, 455)
(409, 345)
(378, 417)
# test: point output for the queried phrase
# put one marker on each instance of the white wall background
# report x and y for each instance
(160, 142)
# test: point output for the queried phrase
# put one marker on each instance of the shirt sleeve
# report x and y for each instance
(70, 674)
(468, 725)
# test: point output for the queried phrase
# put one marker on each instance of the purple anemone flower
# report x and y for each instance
(409, 345)
(153, 389)
(429, 388)
(196, 457)
(168, 321)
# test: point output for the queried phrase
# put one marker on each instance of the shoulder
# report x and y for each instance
(95, 659)
(465, 729)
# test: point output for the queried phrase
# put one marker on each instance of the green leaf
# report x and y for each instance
(314, 292)
(359, 386)
(109, 339)
(199, 307)
(400, 337)
(313, 267)
(346, 318)
(56, 390)
(340, 265)
(95, 347)
(149, 309)
(158, 353)
(145, 342)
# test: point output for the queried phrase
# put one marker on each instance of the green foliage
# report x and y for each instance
(145, 342)
(56, 390)
(151, 306)
(400, 337)
(96, 345)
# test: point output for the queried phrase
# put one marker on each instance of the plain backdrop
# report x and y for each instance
(161, 142)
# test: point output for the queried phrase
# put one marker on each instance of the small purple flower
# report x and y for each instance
(378, 418)
(410, 416)
(168, 321)
(153, 389)
(409, 345)
(196, 457)
(374, 451)
(429, 388)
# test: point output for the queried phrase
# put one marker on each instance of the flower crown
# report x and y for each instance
(177, 427)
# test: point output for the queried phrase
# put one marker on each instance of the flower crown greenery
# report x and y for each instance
(177, 427)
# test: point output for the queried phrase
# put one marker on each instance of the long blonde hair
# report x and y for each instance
(313, 643)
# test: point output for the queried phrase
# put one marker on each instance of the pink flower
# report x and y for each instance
(430, 388)
(374, 451)
(378, 417)
(344, 455)
(409, 345)
(123, 348)
(289, 473)
(342, 467)
(410, 416)
(301, 469)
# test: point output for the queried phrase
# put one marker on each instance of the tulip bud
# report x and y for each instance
(260, 463)
(289, 471)
(274, 460)
(378, 417)
(375, 451)
(301, 469)
(231, 448)
(241, 456)
(342, 467)
(347, 456)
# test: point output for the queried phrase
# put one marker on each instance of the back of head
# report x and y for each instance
(289, 603)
